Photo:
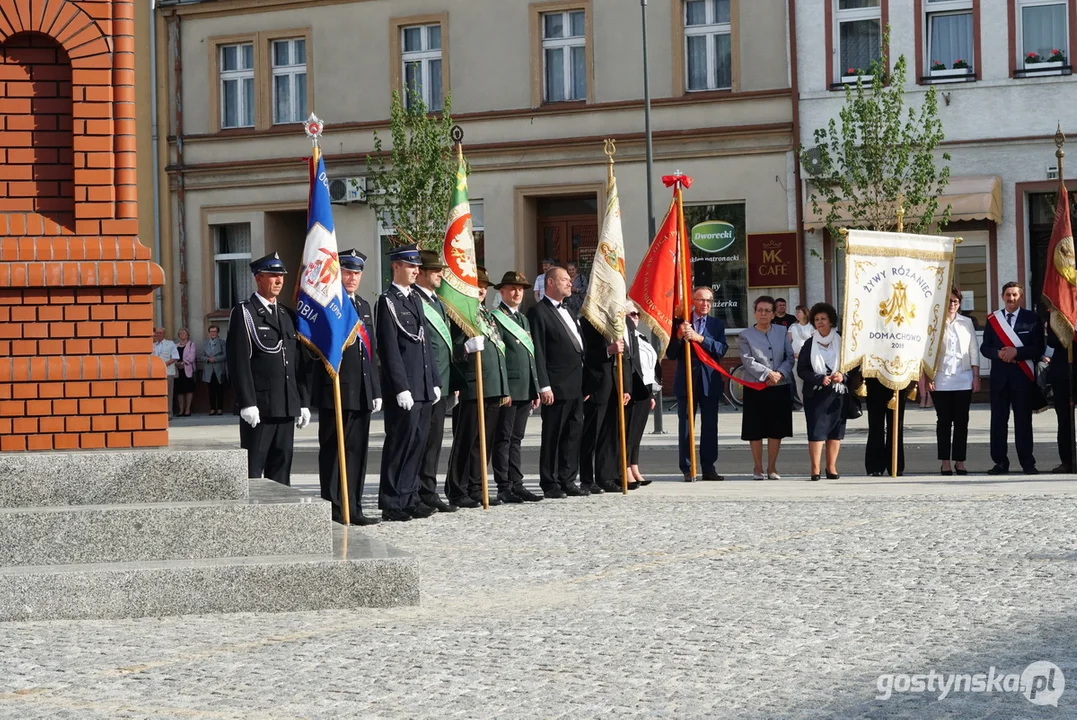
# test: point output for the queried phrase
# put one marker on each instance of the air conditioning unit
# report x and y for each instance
(347, 190)
(813, 161)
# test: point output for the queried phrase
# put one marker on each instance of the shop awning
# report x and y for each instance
(970, 197)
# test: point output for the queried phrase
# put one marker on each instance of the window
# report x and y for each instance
(237, 85)
(564, 56)
(421, 57)
(949, 38)
(231, 261)
(708, 46)
(478, 228)
(1042, 29)
(289, 80)
(859, 33)
(718, 243)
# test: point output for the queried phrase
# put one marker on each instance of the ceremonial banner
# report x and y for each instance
(604, 305)
(460, 280)
(897, 293)
(1060, 280)
(326, 322)
(654, 286)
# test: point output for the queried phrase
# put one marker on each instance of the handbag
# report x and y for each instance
(850, 406)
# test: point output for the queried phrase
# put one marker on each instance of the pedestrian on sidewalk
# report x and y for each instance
(214, 368)
(956, 379)
(766, 354)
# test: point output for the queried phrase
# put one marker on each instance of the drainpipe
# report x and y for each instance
(177, 123)
(159, 311)
(794, 88)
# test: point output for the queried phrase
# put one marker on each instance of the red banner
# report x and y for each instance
(1060, 280)
(773, 260)
(653, 288)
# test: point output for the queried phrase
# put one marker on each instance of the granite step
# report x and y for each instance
(119, 477)
(357, 572)
(272, 520)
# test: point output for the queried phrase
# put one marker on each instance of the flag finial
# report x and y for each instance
(313, 127)
(1060, 140)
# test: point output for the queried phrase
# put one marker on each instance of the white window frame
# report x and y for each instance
(566, 42)
(219, 257)
(238, 75)
(424, 56)
(1020, 5)
(711, 30)
(937, 8)
(479, 225)
(292, 70)
(852, 15)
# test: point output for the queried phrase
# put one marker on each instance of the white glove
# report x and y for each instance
(437, 394)
(404, 400)
(250, 415)
(475, 344)
(304, 418)
(377, 404)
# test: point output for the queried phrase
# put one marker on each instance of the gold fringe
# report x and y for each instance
(892, 403)
(941, 255)
(862, 390)
(461, 322)
(913, 392)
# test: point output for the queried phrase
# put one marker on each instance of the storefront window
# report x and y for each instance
(718, 240)
(1041, 218)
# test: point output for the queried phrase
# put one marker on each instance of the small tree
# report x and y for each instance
(879, 152)
(415, 189)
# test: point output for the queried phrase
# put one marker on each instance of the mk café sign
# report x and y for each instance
(773, 259)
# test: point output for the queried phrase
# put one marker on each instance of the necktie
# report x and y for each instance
(271, 307)
(1009, 319)
(701, 325)
(362, 329)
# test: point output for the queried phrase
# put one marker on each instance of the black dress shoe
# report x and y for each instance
(946, 473)
(420, 511)
(1030, 470)
(508, 496)
(814, 478)
(689, 477)
(876, 473)
(554, 494)
(574, 490)
(998, 470)
(832, 476)
(395, 516)
(492, 501)
(440, 506)
(713, 477)
(364, 520)
(524, 494)
(645, 482)
(633, 485)
(961, 471)
(1062, 469)
(591, 490)
(466, 502)
(610, 487)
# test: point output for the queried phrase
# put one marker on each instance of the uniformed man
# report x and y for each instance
(360, 394)
(410, 380)
(437, 322)
(267, 373)
(523, 390)
(463, 484)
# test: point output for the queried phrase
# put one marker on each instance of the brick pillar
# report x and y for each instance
(76, 285)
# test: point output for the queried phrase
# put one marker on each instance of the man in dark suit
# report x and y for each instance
(463, 484)
(268, 374)
(523, 389)
(1013, 341)
(360, 395)
(1060, 375)
(437, 322)
(409, 377)
(708, 333)
(879, 449)
(608, 463)
(559, 361)
(599, 366)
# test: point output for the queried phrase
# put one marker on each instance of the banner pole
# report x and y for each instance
(341, 449)
(482, 430)
(684, 264)
(896, 427)
(621, 417)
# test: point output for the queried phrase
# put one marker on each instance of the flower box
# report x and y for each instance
(953, 72)
(851, 79)
(1043, 66)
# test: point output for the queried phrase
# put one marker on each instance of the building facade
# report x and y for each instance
(1002, 71)
(536, 88)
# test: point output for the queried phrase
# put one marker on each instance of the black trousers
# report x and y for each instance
(952, 413)
(594, 418)
(508, 438)
(428, 468)
(638, 412)
(405, 440)
(1003, 397)
(608, 451)
(1060, 389)
(559, 456)
(356, 444)
(707, 407)
(269, 448)
(216, 393)
(464, 478)
(879, 451)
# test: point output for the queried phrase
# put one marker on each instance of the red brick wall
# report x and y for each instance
(76, 285)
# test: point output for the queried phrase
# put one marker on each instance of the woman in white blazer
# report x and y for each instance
(957, 377)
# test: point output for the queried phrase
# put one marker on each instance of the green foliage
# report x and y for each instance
(875, 153)
(415, 190)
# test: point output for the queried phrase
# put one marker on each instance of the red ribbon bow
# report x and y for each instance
(671, 180)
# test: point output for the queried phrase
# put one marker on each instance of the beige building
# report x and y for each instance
(536, 88)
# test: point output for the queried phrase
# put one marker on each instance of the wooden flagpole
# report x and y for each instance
(610, 149)
(1060, 154)
(895, 430)
(684, 264)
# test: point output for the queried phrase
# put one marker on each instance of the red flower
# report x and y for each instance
(1031, 55)
(850, 71)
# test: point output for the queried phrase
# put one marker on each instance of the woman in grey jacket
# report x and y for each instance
(766, 353)
(214, 369)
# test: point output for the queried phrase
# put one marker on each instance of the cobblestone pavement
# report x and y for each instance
(675, 602)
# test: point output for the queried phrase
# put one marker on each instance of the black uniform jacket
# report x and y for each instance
(359, 383)
(264, 361)
(405, 357)
(558, 354)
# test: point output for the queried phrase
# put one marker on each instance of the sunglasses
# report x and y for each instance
(633, 314)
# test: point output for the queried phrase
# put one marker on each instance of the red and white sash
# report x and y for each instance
(1009, 338)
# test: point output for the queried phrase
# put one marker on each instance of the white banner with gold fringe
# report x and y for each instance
(897, 290)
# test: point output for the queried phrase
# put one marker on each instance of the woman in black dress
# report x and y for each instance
(825, 390)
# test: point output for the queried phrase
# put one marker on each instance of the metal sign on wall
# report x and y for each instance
(773, 260)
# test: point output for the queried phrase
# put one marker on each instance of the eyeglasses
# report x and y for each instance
(633, 314)
(765, 311)
(705, 301)
(955, 301)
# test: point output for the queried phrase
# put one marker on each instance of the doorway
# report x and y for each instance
(567, 230)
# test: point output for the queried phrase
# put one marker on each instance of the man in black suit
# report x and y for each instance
(360, 395)
(559, 361)
(268, 374)
(1013, 342)
(1060, 375)
(523, 389)
(599, 385)
(437, 322)
(608, 465)
(410, 379)
(879, 449)
(463, 484)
